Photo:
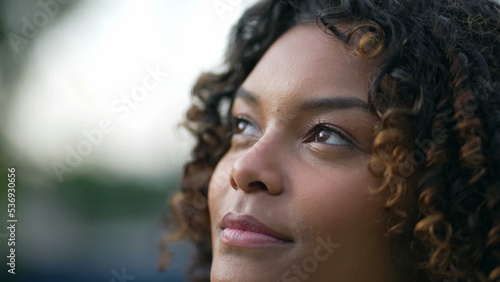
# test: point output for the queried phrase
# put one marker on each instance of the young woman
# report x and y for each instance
(349, 141)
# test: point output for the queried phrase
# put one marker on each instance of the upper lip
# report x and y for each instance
(251, 224)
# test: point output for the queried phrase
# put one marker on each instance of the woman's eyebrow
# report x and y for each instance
(332, 103)
(247, 96)
(316, 105)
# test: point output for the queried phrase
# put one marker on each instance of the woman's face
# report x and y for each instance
(291, 200)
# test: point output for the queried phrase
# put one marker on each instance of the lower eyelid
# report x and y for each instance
(241, 141)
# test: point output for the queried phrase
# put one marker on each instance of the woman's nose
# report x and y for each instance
(259, 168)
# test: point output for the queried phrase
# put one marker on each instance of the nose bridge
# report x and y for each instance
(259, 167)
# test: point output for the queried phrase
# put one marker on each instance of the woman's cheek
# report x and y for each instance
(339, 194)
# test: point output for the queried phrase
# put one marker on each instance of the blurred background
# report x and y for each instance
(92, 93)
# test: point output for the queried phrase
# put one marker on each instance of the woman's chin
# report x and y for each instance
(232, 268)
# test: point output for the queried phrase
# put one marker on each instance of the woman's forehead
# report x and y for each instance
(306, 61)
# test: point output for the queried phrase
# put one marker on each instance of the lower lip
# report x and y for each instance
(244, 238)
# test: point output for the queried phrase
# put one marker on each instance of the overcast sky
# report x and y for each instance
(83, 69)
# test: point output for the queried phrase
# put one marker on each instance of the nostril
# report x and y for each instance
(258, 185)
(233, 183)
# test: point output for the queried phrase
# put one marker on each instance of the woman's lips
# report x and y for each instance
(247, 231)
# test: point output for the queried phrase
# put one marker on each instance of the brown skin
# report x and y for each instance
(307, 184)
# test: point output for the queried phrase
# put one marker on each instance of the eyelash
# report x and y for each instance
(316, 127)
(313, 132)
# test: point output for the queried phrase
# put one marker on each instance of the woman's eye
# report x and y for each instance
(327, 135)
(243, 126)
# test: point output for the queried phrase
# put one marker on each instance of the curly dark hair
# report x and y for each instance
(437, 142)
